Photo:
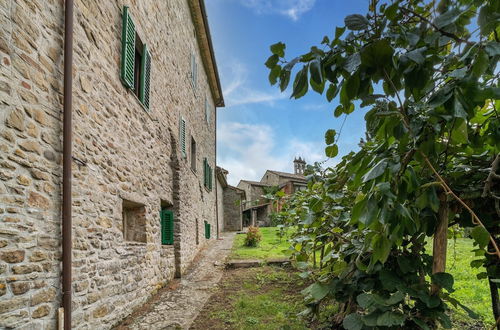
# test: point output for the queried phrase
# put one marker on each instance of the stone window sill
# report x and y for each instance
(132, 243)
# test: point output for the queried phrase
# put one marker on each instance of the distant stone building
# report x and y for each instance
(229, 203)
(145, 93)
(256, 208)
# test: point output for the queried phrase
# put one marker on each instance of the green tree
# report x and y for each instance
(430, 159)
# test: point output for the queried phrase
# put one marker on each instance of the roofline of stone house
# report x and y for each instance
(238, 190)
(221, 177)
(200, 21)
(296, 177)
(255, 183)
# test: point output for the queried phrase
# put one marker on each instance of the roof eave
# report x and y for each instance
(199, 15)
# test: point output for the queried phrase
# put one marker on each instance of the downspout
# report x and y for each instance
(67, 160)
(215, 175)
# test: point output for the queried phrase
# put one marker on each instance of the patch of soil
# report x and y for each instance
(232, 284)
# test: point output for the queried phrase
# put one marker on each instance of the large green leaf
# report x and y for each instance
(331, 92)
(353, 322)
(481, 236)
(444, 280)
(316, 71)
(356, 22)
(376, 170)
(330, 136)
(377, 54)
(459, 133)
(369, 214)
(390, 319)
(278, 49)
(352, 86)
(300, 84)
(319, 290)
(274, 74)
(447, 18)
(481, 64)
(272, 61)
(332, 151)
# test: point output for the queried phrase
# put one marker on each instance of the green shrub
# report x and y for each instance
(253, 236)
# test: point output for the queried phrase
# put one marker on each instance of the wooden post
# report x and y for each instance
(440, 241)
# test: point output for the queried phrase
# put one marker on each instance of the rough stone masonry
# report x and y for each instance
(127, 160)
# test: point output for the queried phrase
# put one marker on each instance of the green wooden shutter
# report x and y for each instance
(167, 227)
(145, 77)
(128, 49)
(205, 172)
(207, 230)
(207, 110)
(182, 136)
(210, 177)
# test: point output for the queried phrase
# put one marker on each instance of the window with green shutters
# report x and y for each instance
(207, 230)
(167, 227)
(182, 137)
(135, 70)
(207, 174)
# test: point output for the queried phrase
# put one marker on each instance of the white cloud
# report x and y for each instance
(248, 150)
(290, 8)
(238, 91)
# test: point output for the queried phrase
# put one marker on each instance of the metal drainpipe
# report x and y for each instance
(67, 160)
(215, 176)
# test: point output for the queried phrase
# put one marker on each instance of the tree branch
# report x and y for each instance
(443, 32)
(447, 189)
(493, 175)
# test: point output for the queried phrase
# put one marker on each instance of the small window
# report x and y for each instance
(193, 154)
(134, 221)
(137, 65)
(194, 71)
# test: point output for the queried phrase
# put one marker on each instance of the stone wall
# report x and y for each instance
(232, 209)
(220, 207)
(122, 153)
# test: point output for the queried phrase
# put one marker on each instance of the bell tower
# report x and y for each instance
(299, 166)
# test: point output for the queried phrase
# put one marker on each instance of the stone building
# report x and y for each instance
(145, 92)
(256, 208)
(229, 203)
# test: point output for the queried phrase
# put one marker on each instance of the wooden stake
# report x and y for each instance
(440, 241)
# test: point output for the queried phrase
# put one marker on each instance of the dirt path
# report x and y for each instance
(178, 305)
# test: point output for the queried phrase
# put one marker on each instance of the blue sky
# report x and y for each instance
(261, 128)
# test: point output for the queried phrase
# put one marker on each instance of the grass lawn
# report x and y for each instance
(470, 291)
(254, 298)
(271, 246)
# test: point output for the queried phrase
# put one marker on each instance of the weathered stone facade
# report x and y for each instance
(121, 153)
(229, 203)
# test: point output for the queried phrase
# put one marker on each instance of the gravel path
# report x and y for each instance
(177, 306)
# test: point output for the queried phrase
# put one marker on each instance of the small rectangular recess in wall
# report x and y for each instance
(134, 221)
